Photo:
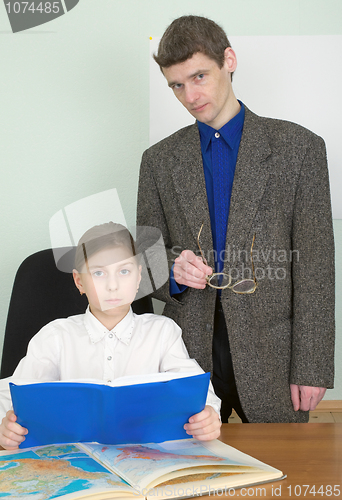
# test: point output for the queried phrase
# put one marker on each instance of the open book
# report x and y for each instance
(172, 469)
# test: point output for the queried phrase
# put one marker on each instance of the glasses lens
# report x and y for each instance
(220, 280)
(244, 286)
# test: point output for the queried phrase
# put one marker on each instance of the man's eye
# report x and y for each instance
(200, 77)
(177, 86)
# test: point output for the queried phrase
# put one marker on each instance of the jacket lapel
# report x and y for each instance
(189, 184)
(250, 179)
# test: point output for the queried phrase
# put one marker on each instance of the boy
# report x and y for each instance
(109, 340)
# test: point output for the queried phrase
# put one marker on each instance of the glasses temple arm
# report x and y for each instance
(252, 258)
(199, 246)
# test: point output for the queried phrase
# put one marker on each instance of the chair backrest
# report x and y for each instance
(40, 294)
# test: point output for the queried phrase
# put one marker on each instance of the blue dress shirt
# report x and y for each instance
(219, 153)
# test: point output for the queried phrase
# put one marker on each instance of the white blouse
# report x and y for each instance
(80, 347)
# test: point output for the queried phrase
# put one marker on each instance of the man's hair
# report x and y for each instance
(188, 35)
(100, 237)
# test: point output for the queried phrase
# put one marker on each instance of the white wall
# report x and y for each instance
(74, 101)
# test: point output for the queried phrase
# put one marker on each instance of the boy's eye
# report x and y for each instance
(124, 272)
(177, 86)
(98, 274)
(200, 77)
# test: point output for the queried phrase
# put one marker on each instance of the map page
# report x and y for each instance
(54, 471)
(141, 465)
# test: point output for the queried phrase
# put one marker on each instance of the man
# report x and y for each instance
(264, 325)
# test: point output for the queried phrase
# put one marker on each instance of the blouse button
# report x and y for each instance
(109, 358)
(110, 335)
(217, 135)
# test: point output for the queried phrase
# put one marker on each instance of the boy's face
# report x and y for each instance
(110, 279)
(204, 88)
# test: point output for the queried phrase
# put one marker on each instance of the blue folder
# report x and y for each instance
(69, 412)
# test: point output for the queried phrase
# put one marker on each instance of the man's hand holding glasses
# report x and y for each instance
(193, 271)
(190, 270)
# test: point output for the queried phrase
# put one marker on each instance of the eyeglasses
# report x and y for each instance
(220, 281)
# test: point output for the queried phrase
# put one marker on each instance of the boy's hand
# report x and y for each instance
(11, 433)
(205, 425)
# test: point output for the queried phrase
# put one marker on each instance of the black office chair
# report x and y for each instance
(42, 293)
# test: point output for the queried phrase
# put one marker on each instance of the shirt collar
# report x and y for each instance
(96, 331)
(231, 131)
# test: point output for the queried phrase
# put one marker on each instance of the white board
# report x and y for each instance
(295, 78)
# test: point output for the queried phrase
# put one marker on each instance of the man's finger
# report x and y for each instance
(310, 397)
(317, 397)
(183, 278)
(196, 261)
(187, 268)
(295, 396)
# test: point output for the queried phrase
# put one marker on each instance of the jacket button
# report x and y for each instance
(208, 327)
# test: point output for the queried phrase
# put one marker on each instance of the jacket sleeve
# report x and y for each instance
(150, 213)
(313, 273)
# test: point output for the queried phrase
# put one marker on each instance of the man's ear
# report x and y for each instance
(230, 60)
(78, 280)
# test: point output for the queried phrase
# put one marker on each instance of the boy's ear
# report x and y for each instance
(78, 281)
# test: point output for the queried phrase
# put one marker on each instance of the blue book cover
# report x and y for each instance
(69, 412)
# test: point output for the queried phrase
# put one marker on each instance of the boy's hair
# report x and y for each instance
(188, 35)
(100, 237)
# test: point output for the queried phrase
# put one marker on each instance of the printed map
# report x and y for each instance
(141, 464)
(48, 472)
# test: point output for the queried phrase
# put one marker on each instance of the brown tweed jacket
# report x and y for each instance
(284, 332)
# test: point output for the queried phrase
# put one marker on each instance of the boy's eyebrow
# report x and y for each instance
(121, 263)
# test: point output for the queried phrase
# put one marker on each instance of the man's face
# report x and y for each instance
(203, 88)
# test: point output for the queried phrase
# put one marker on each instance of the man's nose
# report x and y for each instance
(191, 94)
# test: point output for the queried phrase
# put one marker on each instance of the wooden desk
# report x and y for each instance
(309, 454)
